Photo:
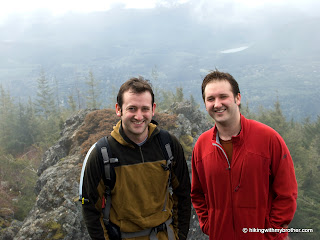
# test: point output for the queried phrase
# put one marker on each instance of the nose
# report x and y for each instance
(217, 103)
(138, 115)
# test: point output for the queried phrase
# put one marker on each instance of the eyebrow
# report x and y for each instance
(134, 106)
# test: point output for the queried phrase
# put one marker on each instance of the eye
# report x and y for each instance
(145, 109)
(210, 99)
(131, 109)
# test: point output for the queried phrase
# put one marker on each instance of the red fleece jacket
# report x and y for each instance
(257, 189)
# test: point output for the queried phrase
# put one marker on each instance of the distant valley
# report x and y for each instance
(275, 60)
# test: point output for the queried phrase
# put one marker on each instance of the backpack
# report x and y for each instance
(109, 177)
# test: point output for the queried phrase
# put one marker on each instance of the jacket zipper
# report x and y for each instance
(229, 168)
(225, 155)
(141, 154)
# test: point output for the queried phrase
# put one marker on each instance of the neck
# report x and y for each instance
(137, 139)
(227, 131)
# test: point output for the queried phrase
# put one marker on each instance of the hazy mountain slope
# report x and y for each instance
(282, 57)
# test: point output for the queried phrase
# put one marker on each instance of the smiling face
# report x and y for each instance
(221, 104)
(136, 113)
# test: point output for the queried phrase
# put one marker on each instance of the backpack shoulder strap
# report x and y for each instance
(105, 160)
(166, 146)
(105, 157)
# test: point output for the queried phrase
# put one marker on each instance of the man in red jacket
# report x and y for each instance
(243, 180)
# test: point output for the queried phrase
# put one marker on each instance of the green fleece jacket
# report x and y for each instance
(140, 188)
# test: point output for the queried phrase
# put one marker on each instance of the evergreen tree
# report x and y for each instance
(112, 98)
(45, 100)
(274, 118)
(72, 103)
(155, 82)
(58, 97)
(93, 92)
(178, 97)
(7, 121)
(168, 98)
(47, 116)
(78, 94)
(27, 127)
(245, 110)
(165, 101)
(193, 102)
(311, 132)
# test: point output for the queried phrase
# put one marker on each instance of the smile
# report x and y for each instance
(220, 111)
(138, 123)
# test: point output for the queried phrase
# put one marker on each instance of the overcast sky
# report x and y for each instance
(57, 7)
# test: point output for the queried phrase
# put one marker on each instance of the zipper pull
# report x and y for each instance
(236, 189)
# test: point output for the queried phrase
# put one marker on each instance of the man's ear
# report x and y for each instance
(238, 99)
(153, 109)
(118, 110)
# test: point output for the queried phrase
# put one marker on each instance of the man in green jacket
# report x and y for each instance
(142, 207)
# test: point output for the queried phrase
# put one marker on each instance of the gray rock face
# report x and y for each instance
(56, 213)
(11, 231)
(191, 121)
(62, 148)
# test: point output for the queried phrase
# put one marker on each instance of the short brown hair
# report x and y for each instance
(136, 85)
(220, 76)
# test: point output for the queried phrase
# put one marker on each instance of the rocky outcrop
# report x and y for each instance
(63, 146)
(190, 120)
(56, 213)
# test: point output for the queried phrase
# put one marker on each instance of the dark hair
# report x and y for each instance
(136, 85)
(220, 76)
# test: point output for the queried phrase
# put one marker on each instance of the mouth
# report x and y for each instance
(138, 123)
(220, 110)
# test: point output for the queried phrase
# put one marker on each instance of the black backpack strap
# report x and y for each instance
(105, 155)
(166, 146)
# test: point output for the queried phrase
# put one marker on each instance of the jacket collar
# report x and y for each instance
(119, 135)
(236, 139)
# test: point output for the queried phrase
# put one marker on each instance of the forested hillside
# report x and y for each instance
(28, 129)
